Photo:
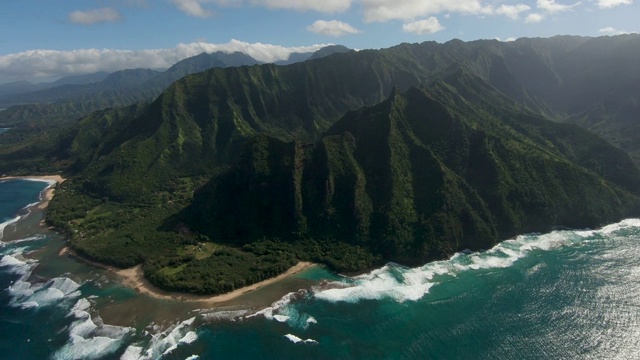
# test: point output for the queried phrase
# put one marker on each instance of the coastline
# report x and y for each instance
(134, 278)
(45, 196)
(47, 193)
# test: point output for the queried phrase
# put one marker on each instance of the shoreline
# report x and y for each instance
(134, 278)
(45, 197)
(46, 194)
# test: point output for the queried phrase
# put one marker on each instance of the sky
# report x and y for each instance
(42, 40)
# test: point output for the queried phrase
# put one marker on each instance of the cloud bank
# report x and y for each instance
(47, 65)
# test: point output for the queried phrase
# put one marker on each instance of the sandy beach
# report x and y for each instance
(134, 278)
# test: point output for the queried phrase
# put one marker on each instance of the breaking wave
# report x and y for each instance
(90, 338)
(410, 284)
(294, 339)
(282, 311)
(163, 343)
(4, 225)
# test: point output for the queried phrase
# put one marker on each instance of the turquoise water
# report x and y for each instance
(3, 130)
(566, 294)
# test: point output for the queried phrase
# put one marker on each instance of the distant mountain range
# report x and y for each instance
(21, 87)
(72, 97)
(406, 154)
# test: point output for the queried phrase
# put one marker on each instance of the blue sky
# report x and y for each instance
(80, 36)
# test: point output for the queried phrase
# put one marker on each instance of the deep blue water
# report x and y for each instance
(566, 294)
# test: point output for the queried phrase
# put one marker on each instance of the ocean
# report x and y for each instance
(564, 294)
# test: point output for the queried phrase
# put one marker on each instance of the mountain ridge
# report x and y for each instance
(405, 154)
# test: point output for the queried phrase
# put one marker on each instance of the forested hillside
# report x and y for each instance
(405, 154)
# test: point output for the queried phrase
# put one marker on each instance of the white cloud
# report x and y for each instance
(534, 18)
(386, 10)
(325, 6)
(552, 7)
(613, 31)
(607, 30)
(426, 26)
(193, 8)
(94, 16)
(333, 28)
(509, 39)
(46, 65)
(512, 11)
(605, 4)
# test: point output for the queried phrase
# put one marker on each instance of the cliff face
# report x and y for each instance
(425, 173)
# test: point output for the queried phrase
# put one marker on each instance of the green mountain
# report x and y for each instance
(419, 176)
(60, 102)
(404, 154)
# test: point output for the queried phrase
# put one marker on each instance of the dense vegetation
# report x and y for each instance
(419, 176)
(405, 154)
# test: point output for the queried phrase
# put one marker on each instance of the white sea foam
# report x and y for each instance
(53, 291)
(269, 311)
(223, 315)
(65, 285)
(163, 343)
(627, 223)
(21, 290)
(294, 339)
(29, 305)
(90, 338)
(4, 225)
(82, 305)
(12, 262)
(30, 205)
(27, 295)
(193, 357)
(381, 283)
(280, 318)
(132, 353)
(283, 312)
(402, 284)
(189, 338)
(27, 239)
